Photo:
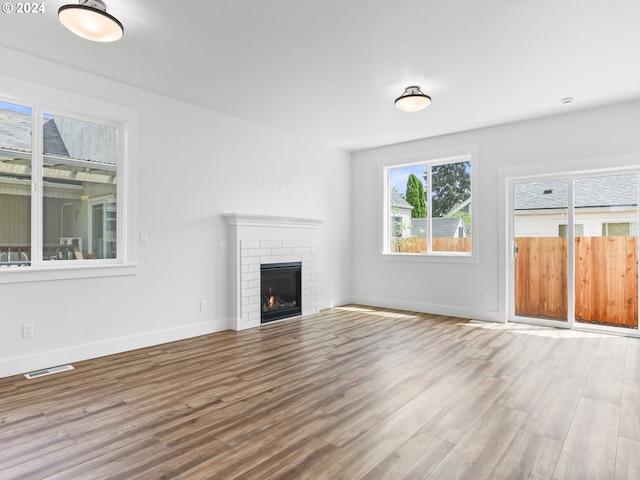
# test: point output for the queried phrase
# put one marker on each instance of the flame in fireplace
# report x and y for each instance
(272, 299)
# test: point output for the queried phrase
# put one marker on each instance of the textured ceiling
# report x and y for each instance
(330, 70)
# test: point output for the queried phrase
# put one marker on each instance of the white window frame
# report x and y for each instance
(434, 157)
(43, 99)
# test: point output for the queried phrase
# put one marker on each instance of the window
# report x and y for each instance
(428, 207)
(578, 230)
(616, 229)
(62, 197)
(397, 226)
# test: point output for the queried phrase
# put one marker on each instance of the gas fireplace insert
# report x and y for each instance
(280, 291)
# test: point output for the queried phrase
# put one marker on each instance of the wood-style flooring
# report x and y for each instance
(351, 393)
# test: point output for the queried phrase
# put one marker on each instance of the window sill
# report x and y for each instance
(433, 258)
(43, 274)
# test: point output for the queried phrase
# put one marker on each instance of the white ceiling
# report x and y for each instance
(331, 69)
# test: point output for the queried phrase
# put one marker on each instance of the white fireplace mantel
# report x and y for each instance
(249, 220)
(264, 239)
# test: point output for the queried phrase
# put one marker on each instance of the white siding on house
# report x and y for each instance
(546, 224)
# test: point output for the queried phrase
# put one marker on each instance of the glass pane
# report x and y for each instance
(79, 168)
(407, 215)
(451, 207)
(616, 229)
(577, 229)
(539, 209)
(607, 252)
(15, 185)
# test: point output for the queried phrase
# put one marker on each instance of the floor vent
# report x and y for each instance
(48, 371)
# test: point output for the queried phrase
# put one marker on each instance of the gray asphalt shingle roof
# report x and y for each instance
(614, 190)
(15, 133)
(399, 202)
(443, 227)
(53, 143)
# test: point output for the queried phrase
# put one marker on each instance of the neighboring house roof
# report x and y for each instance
(443, 227)
(419, 227)
(464, 206)
(398, 202)
(53, 143)
(74, 151)
(16, 134)
(616, 190)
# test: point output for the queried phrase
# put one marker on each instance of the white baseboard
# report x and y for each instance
(78, 353)
(462, 312)
(334, 302)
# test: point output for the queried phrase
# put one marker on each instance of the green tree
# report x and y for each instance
(415, 196)
(450, 185)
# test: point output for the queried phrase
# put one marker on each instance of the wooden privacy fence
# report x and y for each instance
(419, 245)
(606, 279)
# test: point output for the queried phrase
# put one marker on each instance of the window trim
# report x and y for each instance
(434, 157)
(43, 99)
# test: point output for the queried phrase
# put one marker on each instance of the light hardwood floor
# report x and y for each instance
(351, 393)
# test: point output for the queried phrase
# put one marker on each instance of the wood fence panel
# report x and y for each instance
(631, 284)
(451, 244)
(606, 279)
(419, 245)
(541, 277)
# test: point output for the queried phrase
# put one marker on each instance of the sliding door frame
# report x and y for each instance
(508, 265)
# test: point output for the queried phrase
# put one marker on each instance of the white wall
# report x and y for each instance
(589, 139)
(193, 166)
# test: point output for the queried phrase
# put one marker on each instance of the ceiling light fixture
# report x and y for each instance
(412, 100)
(89, 19)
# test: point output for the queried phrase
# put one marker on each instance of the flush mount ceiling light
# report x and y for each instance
(412, 100)
(89, 19)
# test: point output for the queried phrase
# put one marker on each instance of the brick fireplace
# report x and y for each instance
(256, 240)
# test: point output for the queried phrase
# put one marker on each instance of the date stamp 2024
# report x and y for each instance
(23, 8)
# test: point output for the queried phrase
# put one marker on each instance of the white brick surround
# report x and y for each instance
(262, 239)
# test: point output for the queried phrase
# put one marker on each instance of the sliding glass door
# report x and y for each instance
(575, 250)
(540, 253)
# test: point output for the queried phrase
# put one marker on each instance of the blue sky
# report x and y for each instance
(398, 176)
(15, 108)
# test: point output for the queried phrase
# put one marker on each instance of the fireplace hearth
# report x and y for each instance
(280, 291)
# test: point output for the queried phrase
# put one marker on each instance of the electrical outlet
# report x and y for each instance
(28, 330)
(203, 305)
